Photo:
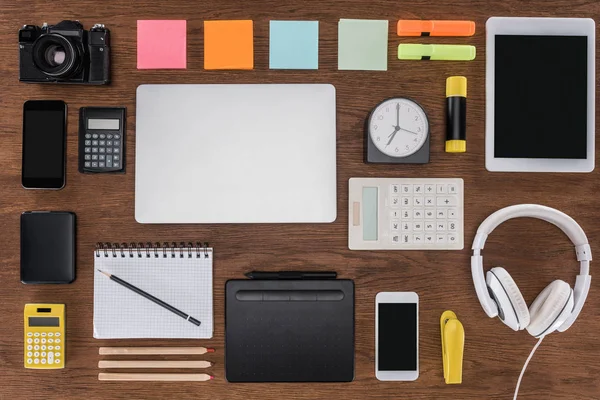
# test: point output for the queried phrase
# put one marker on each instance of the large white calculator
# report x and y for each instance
(406, 214)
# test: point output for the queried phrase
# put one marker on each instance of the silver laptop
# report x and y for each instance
(235, 153)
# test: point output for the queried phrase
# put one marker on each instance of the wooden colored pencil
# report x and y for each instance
(105, 376)
(153, 364)
(153, 350)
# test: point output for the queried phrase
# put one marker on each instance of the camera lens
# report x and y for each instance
(55, 55)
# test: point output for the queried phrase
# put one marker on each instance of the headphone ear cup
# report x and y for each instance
(512, 309)
(550, 308)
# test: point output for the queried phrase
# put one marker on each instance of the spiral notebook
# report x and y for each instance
(178, 274)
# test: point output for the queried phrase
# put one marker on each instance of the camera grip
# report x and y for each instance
(99, 65)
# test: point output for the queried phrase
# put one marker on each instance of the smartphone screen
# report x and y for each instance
(44, 135)
(397, 337)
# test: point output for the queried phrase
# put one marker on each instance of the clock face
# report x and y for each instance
(398, 127)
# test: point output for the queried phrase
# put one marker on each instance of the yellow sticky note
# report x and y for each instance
(228, 44)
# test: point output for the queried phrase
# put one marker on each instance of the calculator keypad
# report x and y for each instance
(427, 214)
(43, 356)
(103, 151)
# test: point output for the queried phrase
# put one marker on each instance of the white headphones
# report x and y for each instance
(557, 306)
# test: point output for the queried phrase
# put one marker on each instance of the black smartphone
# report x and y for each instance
(44, 144)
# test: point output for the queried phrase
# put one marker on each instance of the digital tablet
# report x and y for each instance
(540, 94)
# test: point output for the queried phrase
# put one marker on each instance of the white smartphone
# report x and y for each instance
(397, 336)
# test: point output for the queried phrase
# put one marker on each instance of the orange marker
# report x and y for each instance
(435, 28)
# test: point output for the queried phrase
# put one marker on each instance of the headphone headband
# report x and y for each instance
(565, 223)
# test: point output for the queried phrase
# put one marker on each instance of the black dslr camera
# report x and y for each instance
(64, 53)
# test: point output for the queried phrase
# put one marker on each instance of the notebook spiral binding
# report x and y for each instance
(150, 249)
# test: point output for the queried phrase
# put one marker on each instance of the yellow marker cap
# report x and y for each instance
(456, 146)
(456, 86)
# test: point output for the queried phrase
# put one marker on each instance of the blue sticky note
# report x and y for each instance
(294, 45)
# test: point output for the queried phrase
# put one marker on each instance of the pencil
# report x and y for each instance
(106, 376)
(153, 364)
(153, 350)
(151, 298)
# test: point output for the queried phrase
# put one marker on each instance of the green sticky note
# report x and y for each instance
(362, 44)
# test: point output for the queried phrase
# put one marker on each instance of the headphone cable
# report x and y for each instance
(525, 366)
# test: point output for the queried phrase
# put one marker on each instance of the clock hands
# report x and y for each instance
(396, 130)
(397, 127)
(414, 133)
(392, 135)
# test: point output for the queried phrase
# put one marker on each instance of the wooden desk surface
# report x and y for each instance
(565, 367)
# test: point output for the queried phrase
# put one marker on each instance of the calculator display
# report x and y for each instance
(369, 201)
(44, 321)
(103, 124)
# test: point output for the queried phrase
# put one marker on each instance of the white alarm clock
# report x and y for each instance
(398, 132)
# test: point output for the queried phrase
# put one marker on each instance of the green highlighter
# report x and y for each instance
(447, 52)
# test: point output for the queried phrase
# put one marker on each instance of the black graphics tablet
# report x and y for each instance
(289, 330)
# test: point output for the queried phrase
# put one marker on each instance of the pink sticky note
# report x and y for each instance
(161, 44)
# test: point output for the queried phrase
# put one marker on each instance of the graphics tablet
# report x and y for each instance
(540, 94)
(289, 330)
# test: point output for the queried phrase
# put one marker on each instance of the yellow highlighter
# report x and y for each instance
(444, 52)
(453, 343)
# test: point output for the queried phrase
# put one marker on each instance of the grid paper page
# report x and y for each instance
(184, 283)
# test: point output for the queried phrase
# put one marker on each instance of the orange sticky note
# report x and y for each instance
(228, 44)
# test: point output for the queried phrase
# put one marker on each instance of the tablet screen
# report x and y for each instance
(540, 97)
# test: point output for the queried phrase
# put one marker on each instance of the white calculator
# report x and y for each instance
(406, 214)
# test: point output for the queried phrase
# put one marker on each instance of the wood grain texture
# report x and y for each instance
(566, 365)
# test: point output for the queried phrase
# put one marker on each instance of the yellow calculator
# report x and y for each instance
(45, 342)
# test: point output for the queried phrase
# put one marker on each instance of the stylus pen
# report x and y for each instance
(292, 275)
(152, 298)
